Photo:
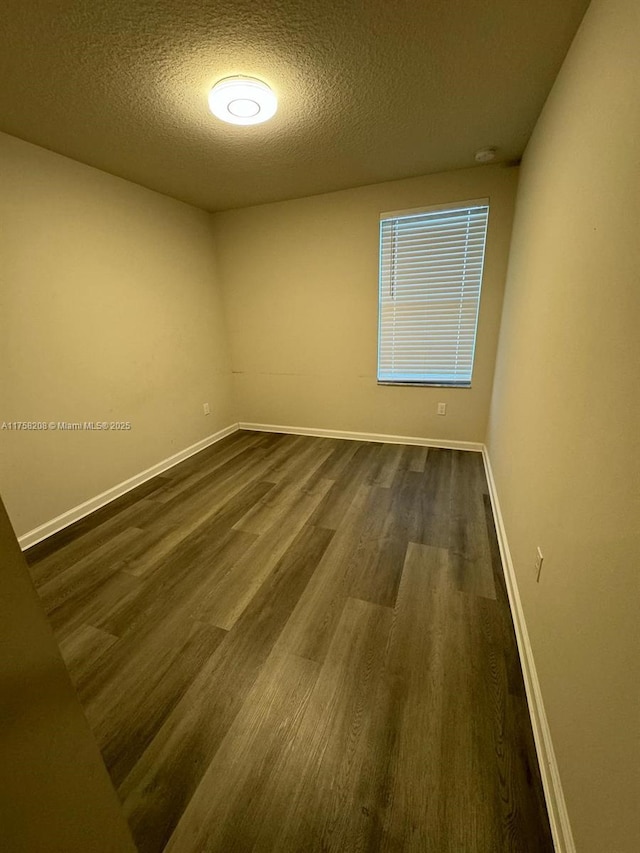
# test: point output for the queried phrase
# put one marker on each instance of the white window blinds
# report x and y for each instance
(430, 278)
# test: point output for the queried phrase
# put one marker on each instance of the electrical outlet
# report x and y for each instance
(442, 408)
(539, 559)
(206, 408)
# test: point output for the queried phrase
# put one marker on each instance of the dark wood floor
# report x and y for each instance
(301, 644)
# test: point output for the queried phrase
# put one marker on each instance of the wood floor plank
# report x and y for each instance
(290, 452)
(236, 589)
(149, 676)
(419, 459)
(469, 548)
(507, 638)
(98, 606)
(410, 780)
(70, 597)
(390, 458)
(422, 501)
(293, 643)
(52, 545)
(479, 753)
(310, 629)
(316, 795)
(294, 480)
(204, 469)
(342, 453)
(211, 459)
(180, 584)
(505, 747)
(302, 457)
(229, 816)
(45, 569)
(455, 667)
(161, 784)
(82, 650)
(203, 502)
(362, 469)
(195, 508)
(376, 563)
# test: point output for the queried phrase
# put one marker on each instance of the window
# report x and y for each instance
(430, 277)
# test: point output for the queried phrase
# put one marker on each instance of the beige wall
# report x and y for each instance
(300, 282)
(109, 311)
(55, 794)
(565, 428)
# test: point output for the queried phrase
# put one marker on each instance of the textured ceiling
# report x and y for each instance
(370, 90)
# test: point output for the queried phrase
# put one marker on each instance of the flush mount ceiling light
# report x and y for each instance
(242, 100)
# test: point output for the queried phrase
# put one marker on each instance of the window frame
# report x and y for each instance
(411, 212)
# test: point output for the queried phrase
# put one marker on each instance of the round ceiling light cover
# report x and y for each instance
(242, 100)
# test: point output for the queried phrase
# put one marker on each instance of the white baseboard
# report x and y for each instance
(554, 796)
(77, 512)
(366, 436)
(32, 537)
